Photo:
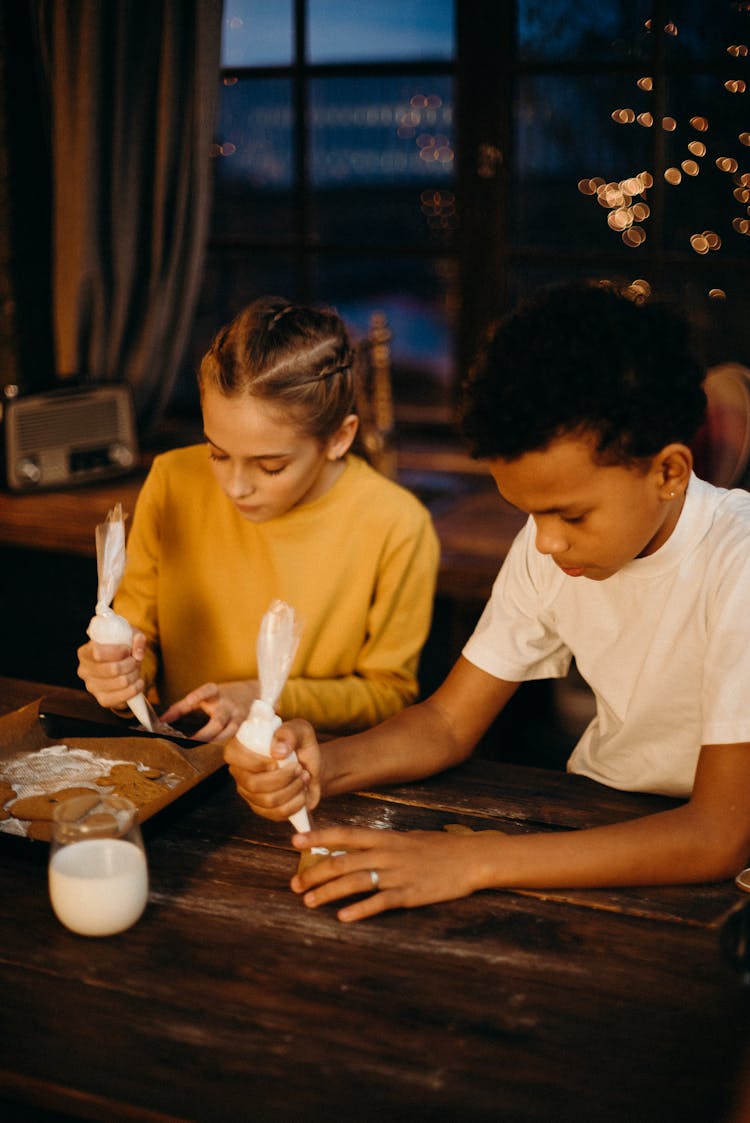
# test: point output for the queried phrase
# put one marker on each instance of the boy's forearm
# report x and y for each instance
(423, 739)
(409, 746)
(669, 847)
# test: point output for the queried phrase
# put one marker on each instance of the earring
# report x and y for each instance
(671, 495)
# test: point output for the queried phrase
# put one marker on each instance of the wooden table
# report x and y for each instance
(230, 1001)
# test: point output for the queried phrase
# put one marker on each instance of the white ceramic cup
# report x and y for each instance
(98, 876)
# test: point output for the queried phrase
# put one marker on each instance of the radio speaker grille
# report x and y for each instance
(66, 423)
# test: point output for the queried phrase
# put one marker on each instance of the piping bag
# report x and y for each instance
(278, 639)
(106, 626)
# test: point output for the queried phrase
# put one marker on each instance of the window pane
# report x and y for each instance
(567, 145)
(256, 33)
(253, 160)
(708, 158)
(382, 160)
(584, 30)
(417, 296)
(715, 301)
(391, 30)
(700, 31)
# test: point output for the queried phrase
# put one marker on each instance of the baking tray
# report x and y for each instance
(181, 763)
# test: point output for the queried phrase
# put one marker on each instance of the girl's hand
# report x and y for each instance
(227, 705)
(112, 671)
(411, 868)
(272, 786)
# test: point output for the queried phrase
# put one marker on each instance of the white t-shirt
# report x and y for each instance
(664, 643)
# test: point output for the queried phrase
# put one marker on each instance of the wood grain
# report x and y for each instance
(229, 1000)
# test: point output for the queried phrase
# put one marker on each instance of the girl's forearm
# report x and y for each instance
(346, 702)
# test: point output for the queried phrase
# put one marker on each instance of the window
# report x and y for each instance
(437, 161)
(630, 154)
(335, 174)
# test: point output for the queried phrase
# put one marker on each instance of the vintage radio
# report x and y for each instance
(68, 436)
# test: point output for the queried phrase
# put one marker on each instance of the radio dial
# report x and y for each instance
(28, 469)
(121, 454)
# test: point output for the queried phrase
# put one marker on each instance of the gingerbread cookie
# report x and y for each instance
(133, 783)
(311, 857)
(459, 828)
(40, 830)
(6, 794)
(42, 807)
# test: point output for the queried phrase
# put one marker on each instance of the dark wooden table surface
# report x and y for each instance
(230, 1001)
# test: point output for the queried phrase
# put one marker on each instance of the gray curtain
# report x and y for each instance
(132, 88)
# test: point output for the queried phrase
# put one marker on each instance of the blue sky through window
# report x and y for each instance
(259, 32)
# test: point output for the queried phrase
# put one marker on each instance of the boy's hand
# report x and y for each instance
(272, 786)
(226, 703)
(112, 671)
(397, 869)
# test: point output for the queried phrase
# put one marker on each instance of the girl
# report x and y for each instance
(276, 506)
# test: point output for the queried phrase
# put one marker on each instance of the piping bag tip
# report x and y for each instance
(142, 711)
(300, 820)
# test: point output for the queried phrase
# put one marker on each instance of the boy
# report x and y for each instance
(583, 405)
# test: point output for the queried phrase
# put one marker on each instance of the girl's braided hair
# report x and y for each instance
(294, 356)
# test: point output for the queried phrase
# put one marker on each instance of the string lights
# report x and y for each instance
(627, 201)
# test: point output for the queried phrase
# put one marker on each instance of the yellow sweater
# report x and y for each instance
(358, 565)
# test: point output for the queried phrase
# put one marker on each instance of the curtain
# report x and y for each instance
(132, 88)
(26, 351)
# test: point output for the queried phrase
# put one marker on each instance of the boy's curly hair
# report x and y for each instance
(584, 358)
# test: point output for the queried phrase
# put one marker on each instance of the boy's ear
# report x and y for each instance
(341, 441)
(673, 466)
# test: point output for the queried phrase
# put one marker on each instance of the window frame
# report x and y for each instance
(490, 266)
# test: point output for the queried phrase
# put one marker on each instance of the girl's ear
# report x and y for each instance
(341, 441)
